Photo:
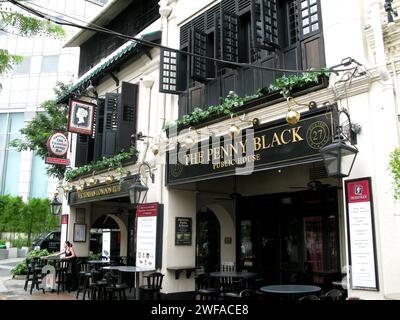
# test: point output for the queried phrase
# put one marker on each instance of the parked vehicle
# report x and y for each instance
(49, 241)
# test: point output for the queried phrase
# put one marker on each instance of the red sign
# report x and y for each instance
(58, 144)
(59, 161)
(147, 210)
(64, 219)
(358, 191)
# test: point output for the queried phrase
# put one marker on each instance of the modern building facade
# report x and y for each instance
(237, 183)
(27, 86)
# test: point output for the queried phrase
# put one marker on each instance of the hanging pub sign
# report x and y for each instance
(361, 235)
(57, 145)
(149, 225)
(81, 117)
(272, 145)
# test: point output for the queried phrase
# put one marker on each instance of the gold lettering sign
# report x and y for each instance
(99, 192)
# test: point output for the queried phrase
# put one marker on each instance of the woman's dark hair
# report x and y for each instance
(69, 244)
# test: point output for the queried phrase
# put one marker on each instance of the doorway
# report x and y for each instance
(294, 237)
(208, 231)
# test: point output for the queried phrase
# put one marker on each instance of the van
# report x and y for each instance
(49, 241)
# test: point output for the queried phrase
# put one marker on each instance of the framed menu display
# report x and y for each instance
(183, 231)
(361, 235)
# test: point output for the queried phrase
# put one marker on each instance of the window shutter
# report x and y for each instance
(98, 130)
(82, 150)
(110, 124)
(127, 115)
(169, 62)
(310, 32)
(198, 45)
(230, 36)
(264, 18)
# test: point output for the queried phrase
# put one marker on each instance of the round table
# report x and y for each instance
(130, 269)
(290, 290)
(227, 274)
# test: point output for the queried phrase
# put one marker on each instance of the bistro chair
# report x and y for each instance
(228, 266)
(98, 286)
(153, 286)
(334, 294)
(61, 275)
(83, 279)
(240, 287)
(33, 265)
(114, 288)
(206, 287)
(309, 297)
(36, 274)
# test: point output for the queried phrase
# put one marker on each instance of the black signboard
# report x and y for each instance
(183, 231)
(268, 146)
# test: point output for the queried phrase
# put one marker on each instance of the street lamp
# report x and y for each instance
(338, 156)
(138, 190)
(55, 205)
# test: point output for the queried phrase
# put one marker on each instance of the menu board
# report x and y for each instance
(183, 231)
(360, 221)
(146, 236)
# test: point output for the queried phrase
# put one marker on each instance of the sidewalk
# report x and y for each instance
(13, 289)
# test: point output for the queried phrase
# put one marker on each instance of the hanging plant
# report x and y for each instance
(105, 163)
(395, 171)
(287, 84)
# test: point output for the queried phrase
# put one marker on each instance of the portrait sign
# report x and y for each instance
(183, 231)
(81, 115)
(79, 232)
(80, 215)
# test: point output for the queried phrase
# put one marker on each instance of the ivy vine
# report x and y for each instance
(105, 163)
(395, 171)
(224, 109)
(286, 84)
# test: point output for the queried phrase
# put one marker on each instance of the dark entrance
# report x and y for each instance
(207, 241)
(291, 237)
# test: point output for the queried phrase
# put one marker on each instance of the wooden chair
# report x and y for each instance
(113, 288)
(334, 294)
(153, 286)
(83, 279)
(206, 287)
(309, 297)
(228, 266)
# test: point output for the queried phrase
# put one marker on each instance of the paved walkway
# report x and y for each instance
(13, 289)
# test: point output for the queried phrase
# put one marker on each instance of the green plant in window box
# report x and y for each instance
(395, 171)
(287, 84)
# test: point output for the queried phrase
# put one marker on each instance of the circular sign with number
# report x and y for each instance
(58, 144)
(318, 135)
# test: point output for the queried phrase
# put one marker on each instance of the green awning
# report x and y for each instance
(115, 59)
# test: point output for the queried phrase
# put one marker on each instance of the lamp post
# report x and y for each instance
(338, 156)
(138, 190)
(55, 205)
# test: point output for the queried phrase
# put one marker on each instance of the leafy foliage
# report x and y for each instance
(22, 267)
(38, 131)
(105, 163)
(395, 171)
(25, 26)
(225, 108)
(33, 217)
(287, 84)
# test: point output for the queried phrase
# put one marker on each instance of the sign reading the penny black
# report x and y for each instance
(183, 231)
(269, 146)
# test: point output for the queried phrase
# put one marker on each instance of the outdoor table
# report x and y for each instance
(131, 269)
(98, 264)
(290, 289)
(229, 274)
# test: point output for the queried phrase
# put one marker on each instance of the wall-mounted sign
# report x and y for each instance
(183, 231)
(361, 234)
(58, 161)
(81, 116)
(58, 144)
(149, 235)
(272, 145)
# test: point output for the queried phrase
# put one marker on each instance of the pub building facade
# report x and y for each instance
(252, 188)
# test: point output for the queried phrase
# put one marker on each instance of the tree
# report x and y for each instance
(38, 131)
(25, 26)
